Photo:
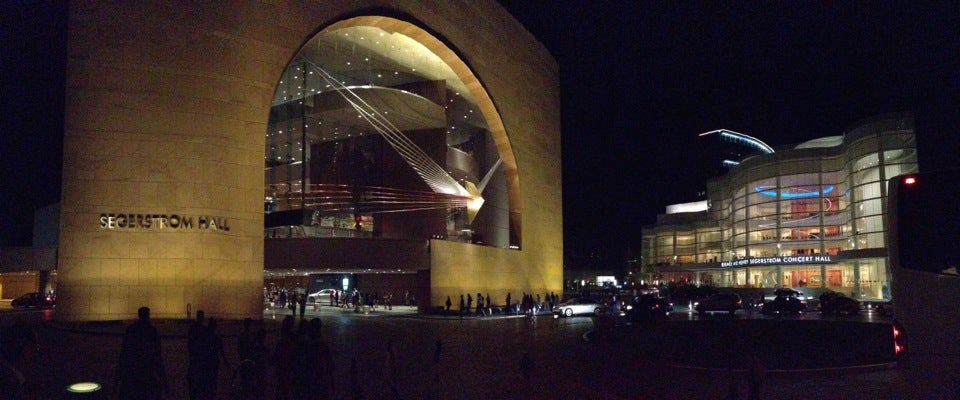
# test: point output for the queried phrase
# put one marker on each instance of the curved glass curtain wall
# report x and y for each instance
(372, 135)
(818, 213)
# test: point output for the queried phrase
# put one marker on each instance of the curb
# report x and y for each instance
(792, 373)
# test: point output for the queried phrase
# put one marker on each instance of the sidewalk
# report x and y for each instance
(479, 361)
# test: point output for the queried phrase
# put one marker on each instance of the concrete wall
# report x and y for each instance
(345, 253)
(457, 268)
(166, 111)
(13, 285)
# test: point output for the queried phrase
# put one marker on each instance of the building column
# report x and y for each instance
(823, 277)
(856, 280)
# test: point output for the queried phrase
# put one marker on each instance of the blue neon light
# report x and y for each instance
(773, 193)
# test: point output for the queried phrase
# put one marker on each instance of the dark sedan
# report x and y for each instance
(33, 300)
(785, 303)
(648, 306)
(837, 303)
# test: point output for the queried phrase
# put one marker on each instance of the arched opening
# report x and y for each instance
(380, 139)
(379, 130)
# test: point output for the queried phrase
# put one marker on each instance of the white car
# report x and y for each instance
(322, 297)
(578, 306)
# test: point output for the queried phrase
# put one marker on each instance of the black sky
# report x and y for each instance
(32, 62)
(639, 81)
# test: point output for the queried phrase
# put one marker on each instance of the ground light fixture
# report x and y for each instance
(85, 390)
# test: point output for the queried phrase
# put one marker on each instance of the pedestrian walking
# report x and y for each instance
(293, 304)
(480, 304)
(303, 304)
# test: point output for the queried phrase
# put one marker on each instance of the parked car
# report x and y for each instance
(322, 297)
(578, 306)
(789, 292)
(786, 302)
(34, 300)
(724, 302)
(648, 306)
(837, 303)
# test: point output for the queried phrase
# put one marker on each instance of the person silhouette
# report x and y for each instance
(211, 357)
(480, 305)
(140, 373)
(246, 341)
(319, 381)
(249, 377)
(285, 354)
(195, 351)
(302, 299)
(15, 342)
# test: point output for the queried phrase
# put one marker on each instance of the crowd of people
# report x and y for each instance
(529, 304)
(140, 373)
(297, 299)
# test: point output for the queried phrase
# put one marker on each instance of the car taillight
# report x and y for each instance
(899, 344)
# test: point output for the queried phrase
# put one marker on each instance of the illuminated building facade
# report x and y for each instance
(209, 147)
(808, 216)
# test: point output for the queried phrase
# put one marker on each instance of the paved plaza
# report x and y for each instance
(481, 358)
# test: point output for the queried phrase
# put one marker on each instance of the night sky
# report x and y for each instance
(639, 81)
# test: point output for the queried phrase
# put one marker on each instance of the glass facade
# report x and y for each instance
(794, 204)
(373, 135)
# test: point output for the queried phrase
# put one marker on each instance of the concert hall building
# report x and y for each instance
(213, 150)
(803, 216)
